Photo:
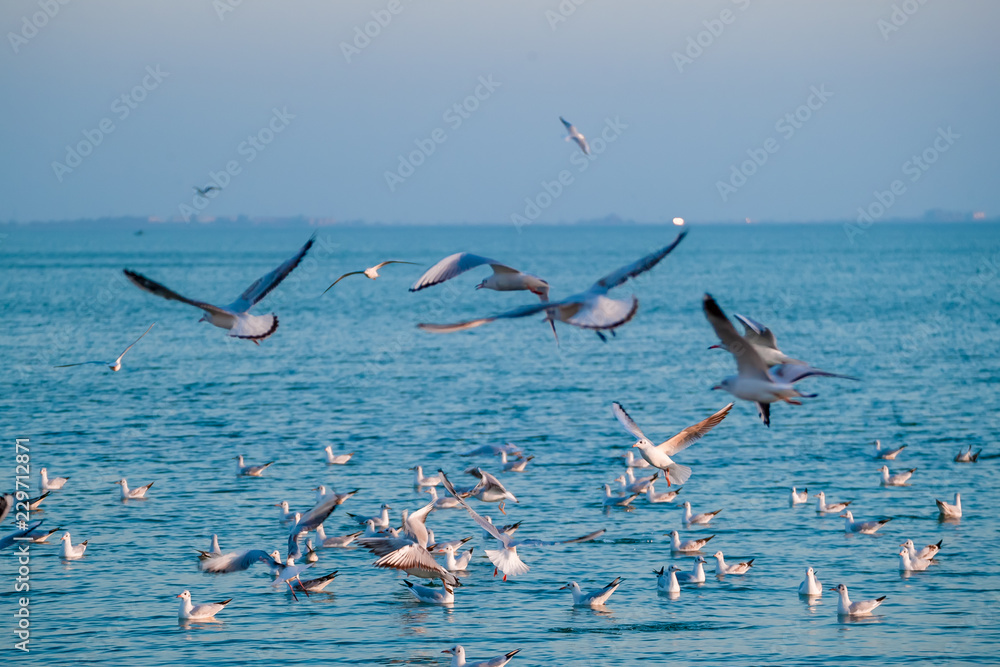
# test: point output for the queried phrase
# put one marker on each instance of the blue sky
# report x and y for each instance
(714, 110)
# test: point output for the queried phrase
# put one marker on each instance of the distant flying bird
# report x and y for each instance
(575, 136)
(659, 455)
(204, 191)
(235, 317)
(370, 272)
(503, 279)
(591, 309)
(115, 365)
(754, 380)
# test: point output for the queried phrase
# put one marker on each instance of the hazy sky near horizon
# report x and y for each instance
(311, 126)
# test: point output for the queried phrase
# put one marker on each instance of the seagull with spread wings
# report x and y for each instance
(115, 365)
(236, 316)
(575, 136)
(659, 455)
(371, 272)
(408, 550)
(591, 309)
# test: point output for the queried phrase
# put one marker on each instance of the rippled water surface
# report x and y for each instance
(912, 311)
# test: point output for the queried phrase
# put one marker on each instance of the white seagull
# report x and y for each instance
(458, 658)
(824, 507)
(419, 479)
(659, 455)
(380, 520)
(443, 502)
(591, 309)
(51, 484)
(691, 518)
(429, 595)
(762, 340)
(518, 465)
(503, 279)
(489, 489)
(899, 479)
(666, 580)
(721, 567)
(865, 527)
(214, 550)
(633, 461)
(967, 456)
(193, 612)
(697, 573)
(371, 272)
(460, 564)
(634, 485)
(71, 551)
(950, 510)
(927, 553)
(250, 470)
(611, 500)
(595, 598)
(797, 497)
(133, 494)
(316, 585)
(286, 513)
(237, 561)
(908, 564)
(336, 459)
(755, 381)
(575, 136)
(861, 608)
(335, 541)
(654, 497)
(408, 551)
(811, 585)
(236, 316)
(687, 546)
(885, 454)
(115, 365)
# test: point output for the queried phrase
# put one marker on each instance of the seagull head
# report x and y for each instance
(456, 650)
(186, 595)
(482, 284)
(573, 586)
(65, 536)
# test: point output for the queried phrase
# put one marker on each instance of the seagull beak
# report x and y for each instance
(564, 587)
(718, 386)
(179, 595)
(715, 347)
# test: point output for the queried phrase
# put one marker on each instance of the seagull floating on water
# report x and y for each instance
(666, 580)
(721, 567)
(633, 461)
(316, 585)
(611, 500)
(811, 585)
(115, 365)
(213, 551)
(628, 486)
(927, 553)
(798, 497)
(431, 595)
(235, 317)
(908, 564)
(595, 598)
(687, 546)
(864, 527)
(518, 465)
(250, 470)
(824, 507)
(419, 479)
(458, 658)
(702, 519)
(133, 494)
(336, 459)
(899, 479)
(950, 510)
(72, 551)
(860, 608)
(380, 520)
(51, 484)
(697, 573)
(193, 612)
(591, 309)
(654, 497)
(885, 454)
(371, 272)
(659, 455)
(335, 541)
(575, 136)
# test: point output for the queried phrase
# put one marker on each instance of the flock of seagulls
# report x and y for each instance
(764, 376)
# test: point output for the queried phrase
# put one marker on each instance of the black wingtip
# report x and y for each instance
(512, 653)
(881, 598)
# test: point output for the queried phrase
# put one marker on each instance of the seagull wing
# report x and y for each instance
(483, 523)
(454, 265)
(569, 125)
(627, 421)
(602, 596)
(602, 312)
(134, 342)
(523, 311)
(351, 273)
(392, 261)
(757, 333)
(235, 561)
(748, 361)
(792, 373)
(693, 434)
(263, 285)
(11, 538)
(83, 363)
(153, 287)
(616, 278)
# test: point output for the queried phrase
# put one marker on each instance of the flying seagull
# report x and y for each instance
(115, 365)
(591, 309)
(754, 381)
(575, 136)
(370, 272)
(204, 191)
(235, 317)
(659, 455)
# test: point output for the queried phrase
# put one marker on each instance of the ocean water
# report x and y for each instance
(910, 310)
